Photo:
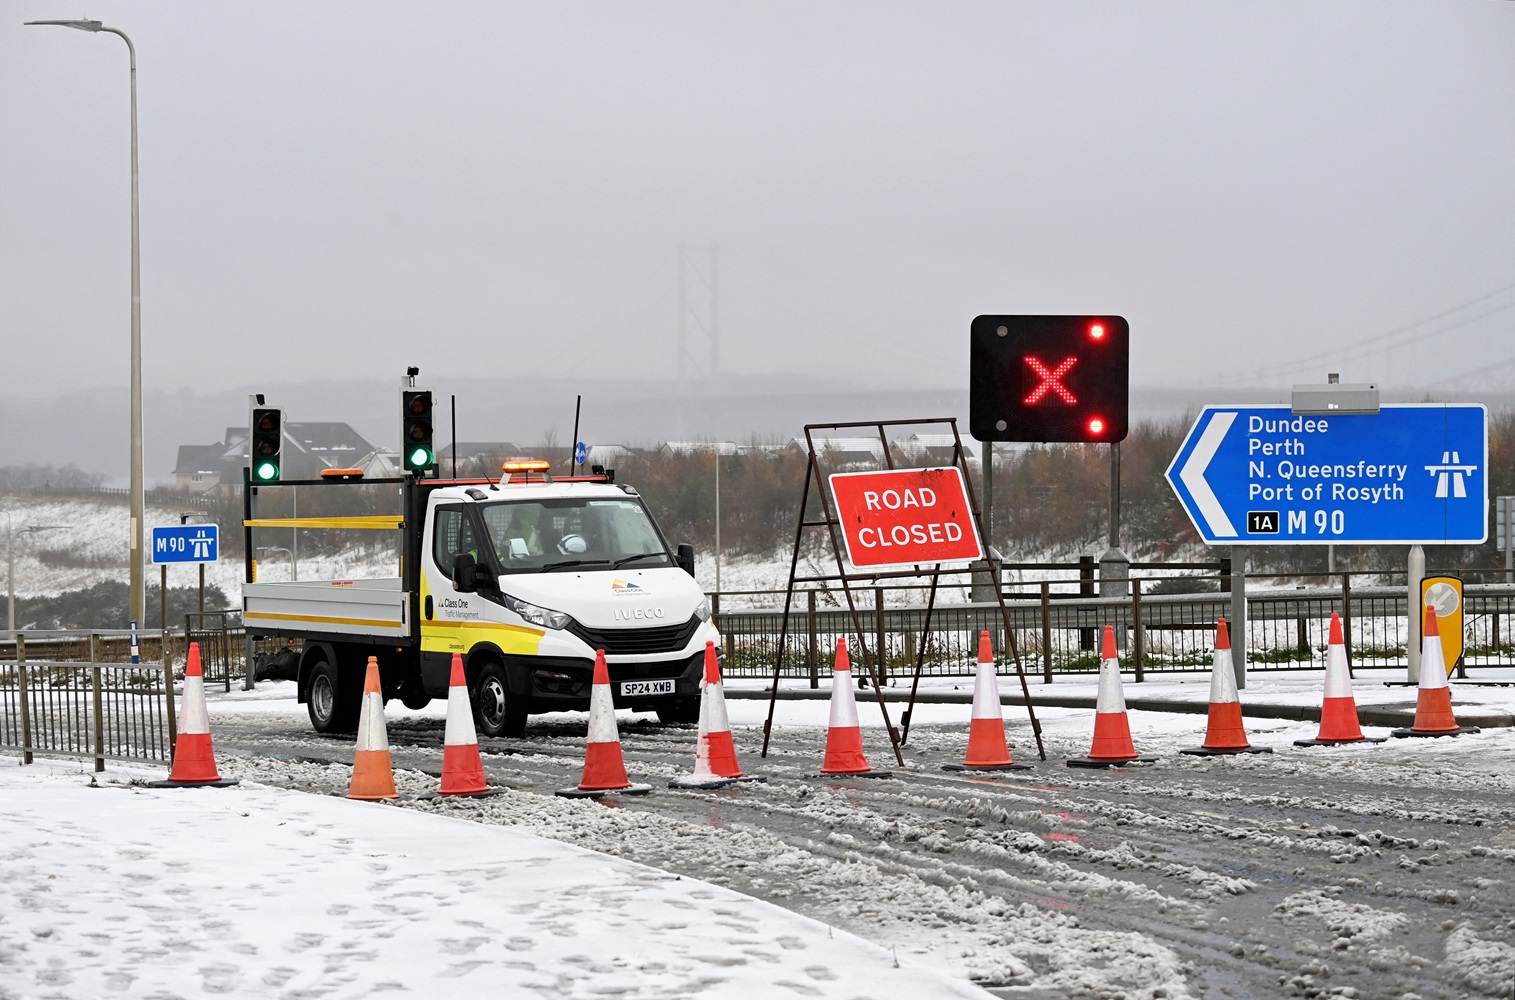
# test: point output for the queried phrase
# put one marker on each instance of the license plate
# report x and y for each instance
(636, 689)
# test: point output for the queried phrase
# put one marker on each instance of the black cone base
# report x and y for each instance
(219, 783)
(1450, 732)
(595, 793)
(1113, 762)
(986, 767)
(1228, 752)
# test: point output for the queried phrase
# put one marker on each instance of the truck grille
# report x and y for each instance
(637, 641)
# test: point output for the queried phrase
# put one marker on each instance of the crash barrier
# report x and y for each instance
(85, 708)
(1055, 632)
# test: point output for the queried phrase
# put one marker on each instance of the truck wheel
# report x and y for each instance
(332, 708)
(413, 696)
(679, 710)
(498, 712)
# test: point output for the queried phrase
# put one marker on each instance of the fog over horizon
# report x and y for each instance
(330, 193)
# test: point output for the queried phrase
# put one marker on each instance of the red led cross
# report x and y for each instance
(1051, 381)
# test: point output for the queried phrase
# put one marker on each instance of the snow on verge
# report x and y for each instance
(254, 891)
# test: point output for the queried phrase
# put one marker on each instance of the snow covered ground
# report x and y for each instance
(109, 888)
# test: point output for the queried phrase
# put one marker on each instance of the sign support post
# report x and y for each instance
(1239, 614)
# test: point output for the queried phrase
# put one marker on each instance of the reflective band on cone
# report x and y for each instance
(1338, 709)
(1225, 733)
(715, 764)
(1112, 729)
(462, 767)
(194, 758)
(604, 768)
(373, 775)
(1433, 702)
(844, 736)
(987, 749)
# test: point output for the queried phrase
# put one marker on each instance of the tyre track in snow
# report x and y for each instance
(1307, 873)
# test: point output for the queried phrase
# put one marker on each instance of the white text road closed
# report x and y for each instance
(1406, 475)
(905, 517)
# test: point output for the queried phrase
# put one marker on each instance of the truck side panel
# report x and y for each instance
(343, 607)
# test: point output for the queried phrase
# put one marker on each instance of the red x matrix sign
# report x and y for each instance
(905, 517)
(1048, 378)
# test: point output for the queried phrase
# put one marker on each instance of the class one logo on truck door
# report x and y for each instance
(638, 614)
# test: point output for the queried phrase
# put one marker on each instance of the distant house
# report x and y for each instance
(845, 452)
(693, 447)
(308, 449)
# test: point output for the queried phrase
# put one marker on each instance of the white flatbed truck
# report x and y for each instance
(525, 578)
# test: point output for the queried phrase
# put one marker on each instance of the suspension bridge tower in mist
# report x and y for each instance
(699, 328)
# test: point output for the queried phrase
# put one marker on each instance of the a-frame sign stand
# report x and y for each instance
(827, 518)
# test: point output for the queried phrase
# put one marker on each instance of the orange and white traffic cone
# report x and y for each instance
(194, 758)
(462, 767)
(844, 736)
(1112, 730)
(1338, 710)
(604, 768)
(987, 749)
(715, 764)
(1433, 702)
(373, 775)
(1225, 733)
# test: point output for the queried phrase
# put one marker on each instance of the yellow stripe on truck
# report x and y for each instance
(460, 637)
(325, 620)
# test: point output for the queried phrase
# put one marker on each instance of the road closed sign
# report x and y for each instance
(905, 517)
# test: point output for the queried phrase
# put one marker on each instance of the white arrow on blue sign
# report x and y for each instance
(1407, 475)
(580, 453)
(186, 543)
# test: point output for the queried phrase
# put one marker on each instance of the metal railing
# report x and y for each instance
(1059, 632)
(86, 708)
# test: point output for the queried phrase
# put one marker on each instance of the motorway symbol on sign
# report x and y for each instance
(1259, 475)
(186, 543)
(905, 517)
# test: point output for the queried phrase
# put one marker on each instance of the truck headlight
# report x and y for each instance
(703, 611)
(545, 617)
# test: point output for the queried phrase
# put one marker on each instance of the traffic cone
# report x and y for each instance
(194, 758)
(1112, 730)
(1338, 711)
(1224, 734)
(844, 737)
(1433, 703)
(715, 764)
(987, 749)
(462, 768)
(373, 775)
(604, 768)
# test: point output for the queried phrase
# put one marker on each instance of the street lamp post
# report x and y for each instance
(137, 608)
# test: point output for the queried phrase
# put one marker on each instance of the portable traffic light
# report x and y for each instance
(1049, 378)
(415, 430)
(265, 443)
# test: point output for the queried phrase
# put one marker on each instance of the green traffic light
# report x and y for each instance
(267, 471)
(420, 458)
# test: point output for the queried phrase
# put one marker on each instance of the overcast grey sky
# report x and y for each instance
(487, 188)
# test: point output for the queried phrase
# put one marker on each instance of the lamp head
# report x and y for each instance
(81, 25)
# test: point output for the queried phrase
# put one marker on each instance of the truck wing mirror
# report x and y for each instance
(685, 558)
(465, 573)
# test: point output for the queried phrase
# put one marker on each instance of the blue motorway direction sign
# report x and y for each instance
(186, 543)
(1407, 475)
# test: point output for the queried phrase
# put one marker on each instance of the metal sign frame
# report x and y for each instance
(827, 519)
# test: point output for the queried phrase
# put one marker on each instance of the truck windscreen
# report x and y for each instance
(572, 533)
